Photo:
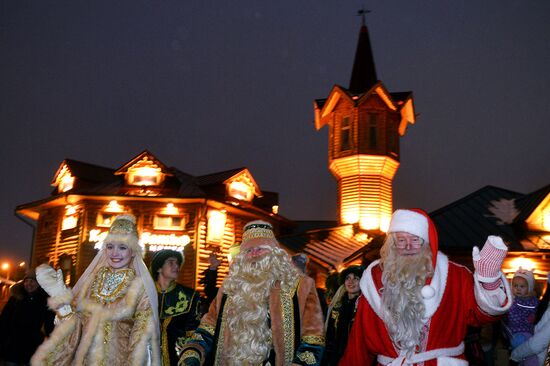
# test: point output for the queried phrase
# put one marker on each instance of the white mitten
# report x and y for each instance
(488, 262)
(52, 282)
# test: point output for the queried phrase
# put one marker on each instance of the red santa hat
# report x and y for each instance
(416, 222)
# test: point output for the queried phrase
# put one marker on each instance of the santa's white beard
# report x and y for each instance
(248, 285)
(403, 308)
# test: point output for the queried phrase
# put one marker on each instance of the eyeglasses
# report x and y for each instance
(410, 241)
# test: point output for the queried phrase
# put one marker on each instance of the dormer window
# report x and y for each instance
(64, 181)
(144, 173)
(144, 177)
(241, 191)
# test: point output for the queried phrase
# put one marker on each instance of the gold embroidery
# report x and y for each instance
(190, 353)
(315, 340)
(197, 337)
(181, 306)
(141, 320)
(107, 335)
(109, 286)
(287, 317)
(208, 328)
(164, 342)
(307, 357)
(219, 349)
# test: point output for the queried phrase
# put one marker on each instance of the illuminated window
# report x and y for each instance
(241, 191)
(144, 177)
(105, 219)
(166, 222)
(64, 181)
(144, 173)
(345, 134)
(216, 226)
(70, 219)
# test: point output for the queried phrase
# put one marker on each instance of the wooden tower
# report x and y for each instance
(365, 122)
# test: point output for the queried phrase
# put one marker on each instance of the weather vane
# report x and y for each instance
(362, 12)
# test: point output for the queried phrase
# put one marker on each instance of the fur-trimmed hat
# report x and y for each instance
(417, 222)
(258, 229)
(160, 257)
(528, 276)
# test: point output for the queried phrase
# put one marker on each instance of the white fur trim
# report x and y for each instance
(410, 222)
(444, 357)
(428, 292)
(439, 282)
(490, 301)
(64, 298)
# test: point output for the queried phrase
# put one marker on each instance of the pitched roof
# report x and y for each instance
(87, 171)
(217, 178)
(487, 211)
(331, 247)
(363, 75)
(528, 203)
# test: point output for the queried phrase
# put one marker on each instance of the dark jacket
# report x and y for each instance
(179, 315)
(24, 322)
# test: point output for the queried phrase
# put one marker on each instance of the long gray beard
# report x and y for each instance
(403, 308)
(249, 286)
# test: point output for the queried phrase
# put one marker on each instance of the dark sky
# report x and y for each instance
(208, 86)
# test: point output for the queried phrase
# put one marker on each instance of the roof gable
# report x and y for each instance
(145, 158)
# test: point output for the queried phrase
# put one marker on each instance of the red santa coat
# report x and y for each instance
(449, 311)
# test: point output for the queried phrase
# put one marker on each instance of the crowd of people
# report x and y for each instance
(413, 306)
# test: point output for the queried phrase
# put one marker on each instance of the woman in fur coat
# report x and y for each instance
(111, 315)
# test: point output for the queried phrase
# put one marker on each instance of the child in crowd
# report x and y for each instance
(519, 324)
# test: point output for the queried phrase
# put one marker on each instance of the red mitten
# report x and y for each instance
(488, 262)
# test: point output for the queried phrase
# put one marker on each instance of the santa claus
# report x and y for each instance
(416, 304)
(266, 312)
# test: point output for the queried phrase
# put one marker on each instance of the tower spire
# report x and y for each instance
(363, 75)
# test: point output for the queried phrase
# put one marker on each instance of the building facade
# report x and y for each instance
(197, 215)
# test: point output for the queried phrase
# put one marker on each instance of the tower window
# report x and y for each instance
(373, 130)
(345, 134)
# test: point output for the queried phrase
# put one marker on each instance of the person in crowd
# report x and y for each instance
(111, 315)
(265, 313)
(416, 304)
(341, 313)
(209, 280)
(538, 344)
(519, 324)
(24, 322)
(301, 261)
(179, 306)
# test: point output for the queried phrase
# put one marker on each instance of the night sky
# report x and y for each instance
(208, 86)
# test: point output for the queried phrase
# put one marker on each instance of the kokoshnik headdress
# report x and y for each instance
(124, 230)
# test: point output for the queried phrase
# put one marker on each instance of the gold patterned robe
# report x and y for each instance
(111, 325)
(296, 326)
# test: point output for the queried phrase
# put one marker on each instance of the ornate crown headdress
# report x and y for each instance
(257, 229)
(124, 224)
(124, 229)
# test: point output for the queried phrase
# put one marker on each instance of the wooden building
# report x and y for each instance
(198, 215)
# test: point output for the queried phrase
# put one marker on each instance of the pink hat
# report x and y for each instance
(528, 276)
